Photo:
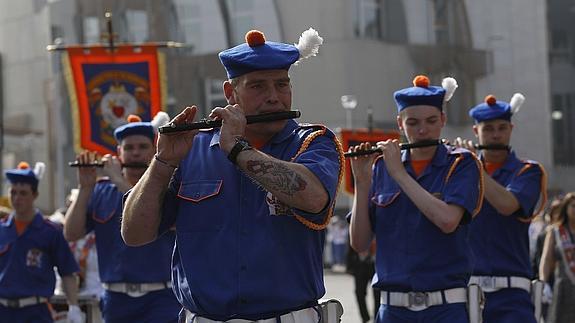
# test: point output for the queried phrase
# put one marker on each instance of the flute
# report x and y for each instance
(492, 147)
(207, 124)
(375, 150)
(100, 165)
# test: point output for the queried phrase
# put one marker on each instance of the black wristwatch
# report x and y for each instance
(241, 145)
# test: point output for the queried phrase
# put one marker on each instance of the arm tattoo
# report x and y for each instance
(276, 176)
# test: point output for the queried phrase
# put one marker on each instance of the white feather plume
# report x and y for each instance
(308, 44)
(450, 85)
(160, 119)
(39, 169)
(516, 102)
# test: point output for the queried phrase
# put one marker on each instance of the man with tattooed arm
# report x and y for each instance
(249, 202)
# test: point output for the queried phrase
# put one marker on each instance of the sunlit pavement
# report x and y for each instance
(340, 286)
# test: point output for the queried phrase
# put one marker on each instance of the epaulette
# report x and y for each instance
(527, 164)
(55, 225)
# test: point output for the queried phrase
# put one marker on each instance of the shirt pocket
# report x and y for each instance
(201, 206)
(386, 210)
(4, 247)
(104, 212)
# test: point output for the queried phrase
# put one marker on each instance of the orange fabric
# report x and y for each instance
(123, 54)
(21, 226)
(419, 166)
(490, 168)
(257, 144)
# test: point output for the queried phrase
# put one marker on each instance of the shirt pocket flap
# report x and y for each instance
(199, 190)
(4, 247)
(384, 199)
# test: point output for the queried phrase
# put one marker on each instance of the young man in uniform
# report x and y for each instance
(30, 248)
(250, 202)
(499, 235)
(136, 280)
(417, 204)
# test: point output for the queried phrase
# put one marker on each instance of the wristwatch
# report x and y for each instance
(241, 145)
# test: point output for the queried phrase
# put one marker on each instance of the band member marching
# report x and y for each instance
(499, 234)
(136, 280)
(417, 205)
(250, 202)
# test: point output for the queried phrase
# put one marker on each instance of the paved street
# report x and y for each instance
(341, 287)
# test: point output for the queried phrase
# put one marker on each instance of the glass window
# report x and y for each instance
(137, 25)
(91, 29)
(562, 119)
(200, 25)
(241, 19)
(367, 19)
(214, 94)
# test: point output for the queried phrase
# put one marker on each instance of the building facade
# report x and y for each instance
(371, 48)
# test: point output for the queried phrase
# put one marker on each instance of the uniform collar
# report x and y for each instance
(277, 138)
(510, 163)
(36, 221)
(439, 158)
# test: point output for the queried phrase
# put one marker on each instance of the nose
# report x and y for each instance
(272, 95)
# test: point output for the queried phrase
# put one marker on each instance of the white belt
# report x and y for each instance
(304, 315)
(22, 302)
(136, 289)
(418, 301)
(494, 283)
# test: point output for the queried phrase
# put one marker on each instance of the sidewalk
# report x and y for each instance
(340, 286)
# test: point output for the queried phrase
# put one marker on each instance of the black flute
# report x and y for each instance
(492, 147)
(100, 165)
(207, 124)
(375, 150)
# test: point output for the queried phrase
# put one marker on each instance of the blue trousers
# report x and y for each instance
(449, 313)
(38, 313)
(508, 305)
(154, 307)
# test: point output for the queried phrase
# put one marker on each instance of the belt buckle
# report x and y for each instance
(13, 303)
(488, 282)
(417, 300)
(133, 288)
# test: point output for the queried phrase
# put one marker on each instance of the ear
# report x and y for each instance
(229, 92)
(476, 130)
(399, 122)
(119, 151)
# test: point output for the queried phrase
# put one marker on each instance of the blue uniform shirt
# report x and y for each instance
(27, 261)
(118, 262)
(233, 259)
(500, 243)
(413, 254)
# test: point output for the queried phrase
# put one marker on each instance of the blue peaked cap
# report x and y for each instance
(421, 93)
(258, 54)
(491, 109)
(135, 126)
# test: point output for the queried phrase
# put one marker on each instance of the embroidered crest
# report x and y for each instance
(276, 207)
(34, 258)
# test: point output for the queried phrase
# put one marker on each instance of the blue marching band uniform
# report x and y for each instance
(502, 266)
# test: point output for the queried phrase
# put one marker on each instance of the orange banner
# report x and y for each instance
(350, 138)
(105, 87)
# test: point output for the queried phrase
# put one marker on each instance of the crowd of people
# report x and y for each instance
(229, 224)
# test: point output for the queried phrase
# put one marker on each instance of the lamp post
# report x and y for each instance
(348, 102)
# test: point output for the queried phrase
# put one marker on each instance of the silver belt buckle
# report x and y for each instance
(133, 288)
(417, 300)
(15, 303)
(488, 282)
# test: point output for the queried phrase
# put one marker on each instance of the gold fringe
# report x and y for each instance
(71, 86)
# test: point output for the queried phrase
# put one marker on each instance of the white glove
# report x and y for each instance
(75, 315)
(547, 294)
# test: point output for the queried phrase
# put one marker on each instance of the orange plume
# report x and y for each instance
(255, 38)
(421, 81)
